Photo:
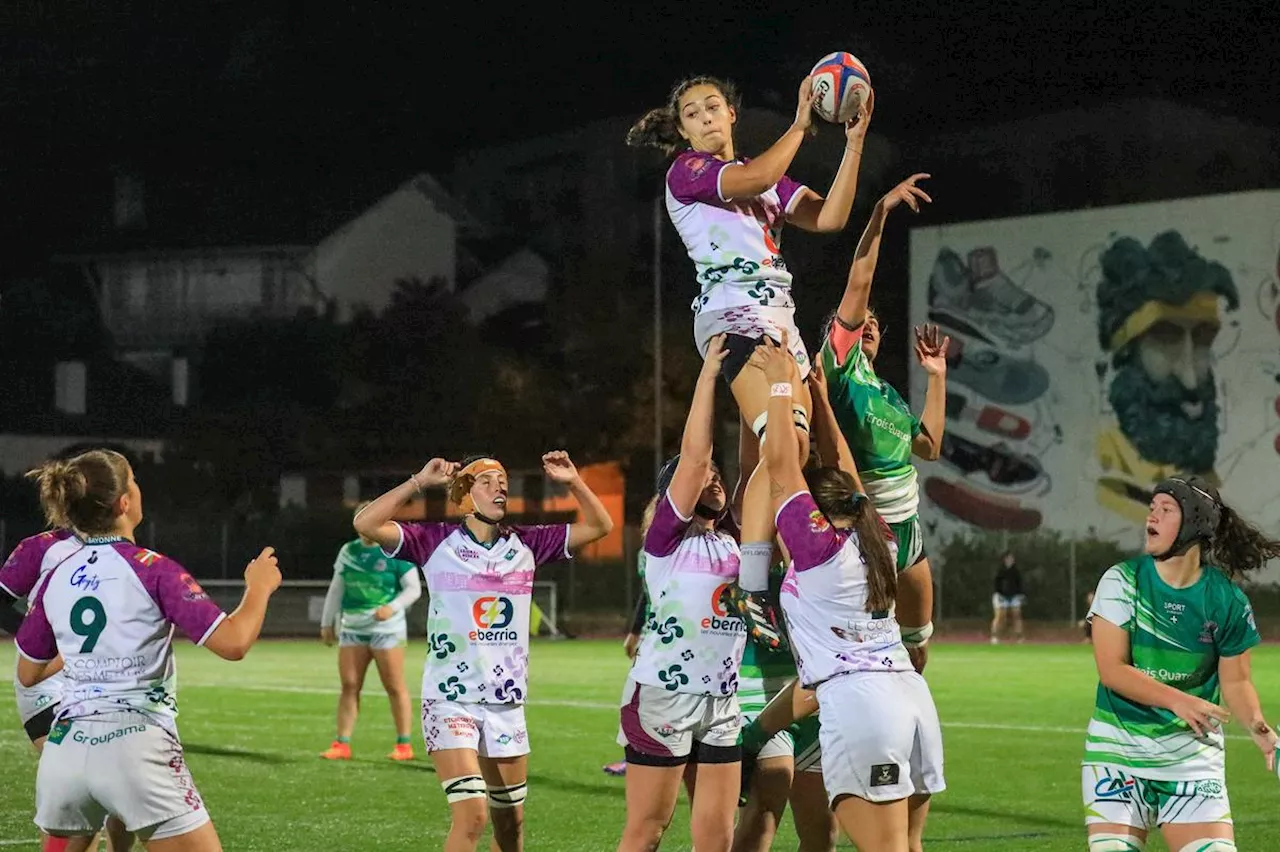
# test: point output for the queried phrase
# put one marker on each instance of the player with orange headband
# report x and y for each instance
(479, 575)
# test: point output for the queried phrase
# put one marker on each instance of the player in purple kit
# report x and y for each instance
(729, 210)
(881, 739)
(107, 608)
(679, 717)
(479, 576)
(38, 704)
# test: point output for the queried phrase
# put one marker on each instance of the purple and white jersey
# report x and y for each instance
(734, 245)
(824, 599)
(110, 608)
(478, 618)
(23, 569)
(693, 642)
(30, 560)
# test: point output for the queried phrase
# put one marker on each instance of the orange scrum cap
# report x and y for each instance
(463, 480)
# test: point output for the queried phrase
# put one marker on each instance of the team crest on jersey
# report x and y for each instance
(818, 522)
(146, 557)
(194, 591)
(697, 165)
(1208, 632)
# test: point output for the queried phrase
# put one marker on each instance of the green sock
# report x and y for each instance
(402, 740)
(344, 740)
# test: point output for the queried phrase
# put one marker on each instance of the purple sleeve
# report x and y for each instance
(807, 533)
(667, 530)
(418, 541)
(181, 599)
(549, 542)
(788, 192)
(35, 638)
(695, 177)
(22, 569)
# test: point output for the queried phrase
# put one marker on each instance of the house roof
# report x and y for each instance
(251, 207)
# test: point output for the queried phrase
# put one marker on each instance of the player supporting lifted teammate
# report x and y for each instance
(881, 740)
(364, 611)
(679, 718)
(479, 577)
(729, 212)
(108, 607)
(1171, 637)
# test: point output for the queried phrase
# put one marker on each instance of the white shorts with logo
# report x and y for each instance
(881, 739)
(664, 724)
(999, 601)
(753, 321)
(490, 730)
(120, 764)
(1114, 795)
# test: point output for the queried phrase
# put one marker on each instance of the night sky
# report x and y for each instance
(233, 88)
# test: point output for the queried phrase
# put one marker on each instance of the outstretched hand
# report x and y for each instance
(855, 129)
(931, 349)
(906, 193)
(559, 467)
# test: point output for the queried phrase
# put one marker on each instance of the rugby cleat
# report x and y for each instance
(761, 617)
(337, 751)
(402, 751)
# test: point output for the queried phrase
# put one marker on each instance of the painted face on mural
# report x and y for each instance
(1165, 398)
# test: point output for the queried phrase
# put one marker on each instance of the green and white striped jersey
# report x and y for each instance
(1177, 637)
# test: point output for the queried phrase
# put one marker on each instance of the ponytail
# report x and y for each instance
(660, 128)
(81, 493)
(882, 570)
(1238, 547)
(837, 496)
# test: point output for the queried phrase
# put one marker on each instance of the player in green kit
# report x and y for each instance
(1171, 637)
(364, 612)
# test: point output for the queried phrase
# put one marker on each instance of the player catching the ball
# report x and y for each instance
(729, 211)
(479, 575)
(1171, 638)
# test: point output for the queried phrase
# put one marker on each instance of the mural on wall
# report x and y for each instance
(1097, 351)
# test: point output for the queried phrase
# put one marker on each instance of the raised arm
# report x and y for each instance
(596, 522)
(235, 635)
(814, 213)
(931, 352)
(694, 467)
(857, 289)
(747, 180)
(374, 521)
(781, 452)
(832, 446)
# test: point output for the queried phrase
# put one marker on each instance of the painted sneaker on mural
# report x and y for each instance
(980, 300)
(996, 468)
(1000, 378)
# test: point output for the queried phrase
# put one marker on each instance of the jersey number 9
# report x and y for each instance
(88, 619)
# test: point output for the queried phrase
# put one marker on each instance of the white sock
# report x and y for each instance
(754, 570)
